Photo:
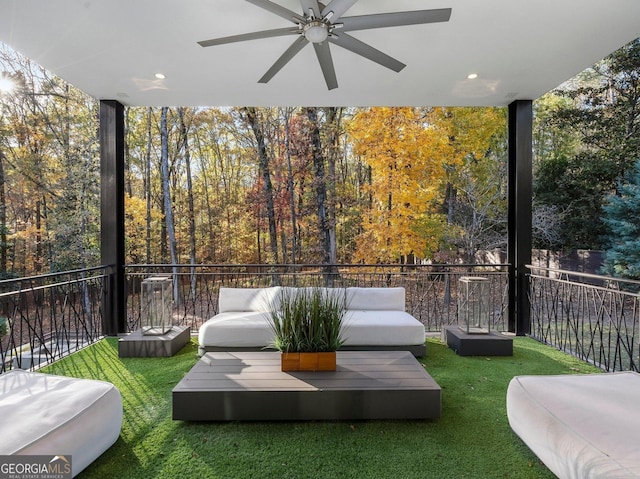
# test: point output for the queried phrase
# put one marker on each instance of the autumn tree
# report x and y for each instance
(295, 234)
(75, 217)
(333, 135)
(303, 185)
(405, 153)
(51, 170)
(265, 177)
(27, 164)
(476, 172)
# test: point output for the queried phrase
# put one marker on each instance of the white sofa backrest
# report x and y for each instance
(376, 299)
(337, 294)
(248, 299)
(266, 299)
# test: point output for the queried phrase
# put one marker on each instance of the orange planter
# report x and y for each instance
(308, 361)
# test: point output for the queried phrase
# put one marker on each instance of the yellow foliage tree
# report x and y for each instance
(405, 149)
(413, 153)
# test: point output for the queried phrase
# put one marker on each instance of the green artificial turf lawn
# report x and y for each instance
(472, 439)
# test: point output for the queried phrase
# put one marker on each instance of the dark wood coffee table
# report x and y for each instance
(249, 386)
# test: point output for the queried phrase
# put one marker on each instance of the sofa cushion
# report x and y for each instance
(382, 328)
(248, 299)
(329, 293)
(44, 414)
(237, 329)
(580, 426)
(376, 299)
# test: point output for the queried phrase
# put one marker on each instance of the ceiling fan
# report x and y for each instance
(321, 24)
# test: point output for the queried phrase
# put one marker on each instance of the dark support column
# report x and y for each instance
(112, 214)
(519, 213)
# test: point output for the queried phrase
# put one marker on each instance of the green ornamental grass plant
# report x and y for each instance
(308, 320)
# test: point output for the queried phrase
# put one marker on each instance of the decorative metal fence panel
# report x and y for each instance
(595, 318)
(431, 290)
(44, 318)
(47, 317)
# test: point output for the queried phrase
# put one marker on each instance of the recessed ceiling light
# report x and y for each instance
(472, 76)
(159, 76)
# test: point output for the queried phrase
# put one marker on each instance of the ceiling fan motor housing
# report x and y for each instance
(316, 31)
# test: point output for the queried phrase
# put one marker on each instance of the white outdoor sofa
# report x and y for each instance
(580, 426)
(375, 319)
(47, 415)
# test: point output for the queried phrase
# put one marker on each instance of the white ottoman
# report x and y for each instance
(580, 426)
(43, 414)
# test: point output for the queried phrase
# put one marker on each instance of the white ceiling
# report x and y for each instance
(111, 49)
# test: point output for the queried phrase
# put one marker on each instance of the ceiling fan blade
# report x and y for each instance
(289, 53)
(326, 63)
(278, 10)
(396, 19)
(310, 5)
(338, 7)
(367, 51)
(250, 36)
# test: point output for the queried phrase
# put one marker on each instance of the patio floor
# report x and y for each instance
(471, 439)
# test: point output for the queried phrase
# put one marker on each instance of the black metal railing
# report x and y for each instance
(592, 317)
(431, 290)
(595, 318)
(44, 318)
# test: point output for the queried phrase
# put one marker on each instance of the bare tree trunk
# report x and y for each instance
(320, 182)
(127, 155)
(210, 254)
(334, 115)
(283, 239)
(83, 234)
(3, 220)
(291, 188)
(45, 216)
(192, 221)
(258, 242)
(451, 201)
(263, 158)
(37, 262)
(147, 186)
(168, 210)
